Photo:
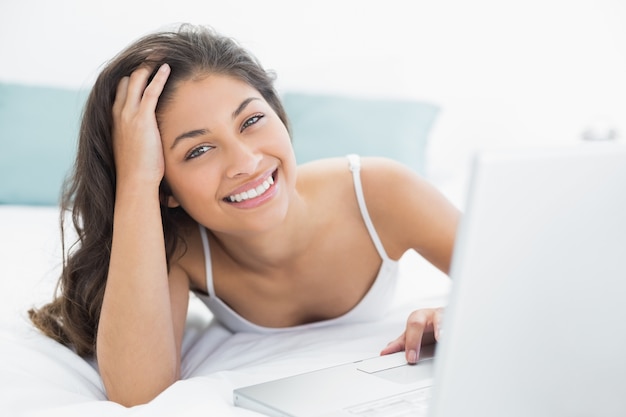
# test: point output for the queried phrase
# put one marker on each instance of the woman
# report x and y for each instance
(186, 180)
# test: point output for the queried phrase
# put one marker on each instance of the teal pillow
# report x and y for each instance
(38, 135)
(330, 125)
(39, 130)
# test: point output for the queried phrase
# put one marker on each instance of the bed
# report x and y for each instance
(40, 377)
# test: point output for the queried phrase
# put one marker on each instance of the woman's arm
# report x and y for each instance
(143, 312)
(144, 307)
(411, 214)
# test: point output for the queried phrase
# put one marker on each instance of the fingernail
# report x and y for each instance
(412, 358)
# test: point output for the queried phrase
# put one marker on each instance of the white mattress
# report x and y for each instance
(39, 377)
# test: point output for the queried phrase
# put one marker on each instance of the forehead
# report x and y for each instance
(213, 87)
(192, 102)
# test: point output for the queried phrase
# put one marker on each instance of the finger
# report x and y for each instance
(137, 84)
(415, 327)
(120, 95)
(394, 346)
(153, 91)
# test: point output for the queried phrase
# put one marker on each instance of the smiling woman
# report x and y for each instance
(228, 128)
(186, 180)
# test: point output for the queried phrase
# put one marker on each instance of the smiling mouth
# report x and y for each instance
(255, 192)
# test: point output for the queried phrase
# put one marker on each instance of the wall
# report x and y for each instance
(504, 72)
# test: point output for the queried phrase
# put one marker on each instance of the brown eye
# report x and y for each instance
(252, 120)
(196, 152)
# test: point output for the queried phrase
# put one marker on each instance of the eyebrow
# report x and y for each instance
(199, 132)
(190, 134)
(242, 106)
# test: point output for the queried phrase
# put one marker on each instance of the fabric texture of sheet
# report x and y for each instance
(39, 377)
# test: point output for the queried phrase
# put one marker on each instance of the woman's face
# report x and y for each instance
(228, 157)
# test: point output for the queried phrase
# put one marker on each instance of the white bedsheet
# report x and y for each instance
(39, 377)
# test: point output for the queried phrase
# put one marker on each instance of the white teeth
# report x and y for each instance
(253, 192)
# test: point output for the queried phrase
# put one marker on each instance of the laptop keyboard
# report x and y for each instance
(412, 403)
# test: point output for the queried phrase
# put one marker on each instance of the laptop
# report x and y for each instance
(536, 318)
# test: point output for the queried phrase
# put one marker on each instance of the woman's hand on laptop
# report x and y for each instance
(422, 328)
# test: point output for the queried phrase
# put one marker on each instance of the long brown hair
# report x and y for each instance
(89, 193)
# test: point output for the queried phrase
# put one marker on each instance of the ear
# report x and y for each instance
(165, 195)
(172, 202)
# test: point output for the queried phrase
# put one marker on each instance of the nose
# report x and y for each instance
(243, 159)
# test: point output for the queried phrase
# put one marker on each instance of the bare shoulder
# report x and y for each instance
(324, 175)
(339, 167)
(408, 211)
(384, 177)
(383, 180)
(321, 168)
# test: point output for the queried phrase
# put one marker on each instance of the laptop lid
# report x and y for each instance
(535, 320)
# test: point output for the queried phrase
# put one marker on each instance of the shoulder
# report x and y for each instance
(339, 167)
(379, 177)
(327, 176)
(379, 170)
(408, 211)
(322, 168)
(369, 166)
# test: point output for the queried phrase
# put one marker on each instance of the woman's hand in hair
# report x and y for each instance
(136, 139)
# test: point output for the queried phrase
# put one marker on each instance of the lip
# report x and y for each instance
(253, 202)
(252, 184)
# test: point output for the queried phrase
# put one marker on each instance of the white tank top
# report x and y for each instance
(371, 307)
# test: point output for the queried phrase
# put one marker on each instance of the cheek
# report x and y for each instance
(182, 185)
(282, 139)
(284, 132)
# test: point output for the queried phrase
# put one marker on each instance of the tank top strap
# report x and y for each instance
(207, 262)
(355, 167)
